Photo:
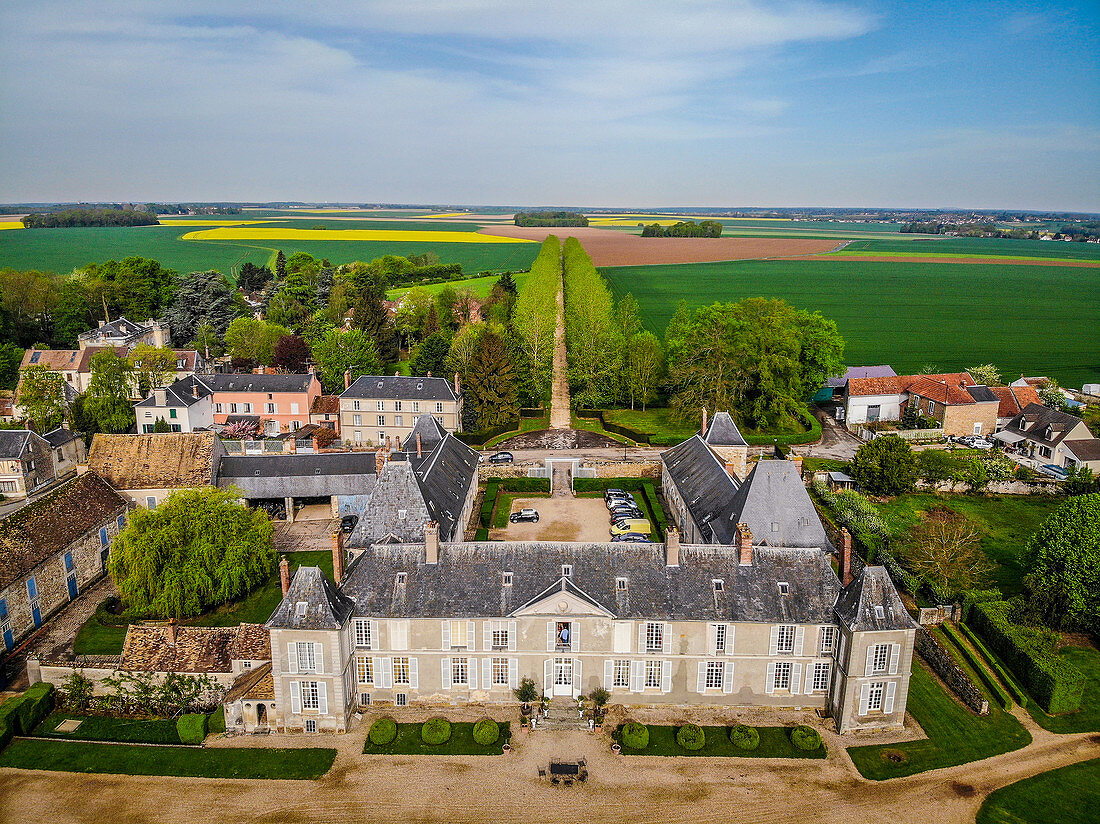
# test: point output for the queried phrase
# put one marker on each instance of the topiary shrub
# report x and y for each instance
(635, 735)
(486, 732)
(37, 702)
(382, 731)
(806, 738)
(435, 731)
(191, 728)
(691, 737)
(744, 737)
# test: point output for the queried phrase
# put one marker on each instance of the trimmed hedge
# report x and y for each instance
(635, 735)
(1014, 688)
(1056, 684)
(488, 503)
(691, 737)
(486, 732)
(22, 713)
(481, 534)
(435, 731)
(978, 596)
(1003, 698)
(479, 438)
(744, 737)
(523, 484)
(604, 484)
(534, 413)
(382, 731)
(656, 509)
(806, 738)
(191, 728)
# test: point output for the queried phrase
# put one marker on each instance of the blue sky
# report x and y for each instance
(613, 103)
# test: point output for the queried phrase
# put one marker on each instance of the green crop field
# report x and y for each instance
(986, 247)
(1038, 320)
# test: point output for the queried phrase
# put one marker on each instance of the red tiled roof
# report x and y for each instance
(942, 391)
(902, 383)
(325, 405)
(1013, 399)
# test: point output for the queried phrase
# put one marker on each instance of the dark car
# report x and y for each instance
(347, 523)
(524, 516)
(631, 538)
(625, 512)
(615, 500)
(501, 457)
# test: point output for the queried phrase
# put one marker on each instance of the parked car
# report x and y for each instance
(347, 523)
(616, 494)
(1056, 472)
(501, 458)
(625, 513)
(973, 442)
(631, 538)
(525, 515)
(620, 498)
(637, 526)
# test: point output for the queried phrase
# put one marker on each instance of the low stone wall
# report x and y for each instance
(940, 660)
(95, 668)
(626, 469)
(995, 488)
(487, 470)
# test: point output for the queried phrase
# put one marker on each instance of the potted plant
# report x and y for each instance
(526, 693)
(599, 698)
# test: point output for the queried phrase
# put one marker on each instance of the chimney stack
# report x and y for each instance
(744, 544)
(379, 461)
(845, 557)
(458, 389)
(293, 445)
(194, 389)
(347, 379)
(419, 447)
(160, 396)
(316, 444)
(171, 630)
(672, 547)
(704, 433)
(284, 574)
(338, 556)
(431, 543)
(797, 461)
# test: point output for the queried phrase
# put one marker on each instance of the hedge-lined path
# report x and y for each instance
(506, 788)
(559, 392)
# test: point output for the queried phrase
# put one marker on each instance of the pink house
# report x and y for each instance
(283, 402)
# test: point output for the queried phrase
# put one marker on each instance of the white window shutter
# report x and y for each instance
(641, 636)
(548, 676)
(446, 635)
(666, 676)
(712, 640)
(666, 639)
(575, 636)
(295, 697)
(319, 657)
(730, 635)
(796, 678)
(550, 640)
(870, 660)
(414, 674)
(471, 636)
(888, 704)
(773, 644)
(636, 676)
(292, 657)
(487, 635)
(701, 682)
(445, 667)
(727, 678)
(808, 687)
(864, 698)
(577, 680)
(769, 687)
(375, 641)
(322, 698)
(513, 673)
(387, 673)
(621, 641)
(486, 673)
(399, 635)
(895, 654)
(471, 673)
(511, 636)
(608, 674)
(799, 637)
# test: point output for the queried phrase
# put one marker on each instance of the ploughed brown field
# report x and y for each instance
(611, 247)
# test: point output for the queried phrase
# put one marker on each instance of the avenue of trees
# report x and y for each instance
(685, 228)
(550, 219)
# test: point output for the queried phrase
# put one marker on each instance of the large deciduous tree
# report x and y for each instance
(1063, 557)
(152, 366)
(250, 339)
(202, 297)
(108, 396)
(345, 350)
(200, 548)
(885, 466)
(643, 365)
(41, 397)
(291, 353)
(946, 548)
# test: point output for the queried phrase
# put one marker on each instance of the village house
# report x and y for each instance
(381, 410)
(123, 332)
(1046, 436)
(326, 412)
(148, 468)
(282, 401)
(1013, 400)
(954, 400)
(26, 463)
(75, 365)
(835, 389)
(69, 450)
(53, 548)
(185, 406)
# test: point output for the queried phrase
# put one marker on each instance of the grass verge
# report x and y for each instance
(775, 742)
(525, 425)
(1069, 795)
(102, 728)
(461, 742)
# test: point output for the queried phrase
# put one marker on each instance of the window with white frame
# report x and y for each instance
(401, 670)
(439, 407)
(307, 661)
(500, 672)
(460, 671)
(381, 438)
(820, 681)
(398, 420)
(294, 409)
(785, 639)
(309, 696)
(416, 406)
(720, 639)
(381, 420)
(219, 408)
(781, 680)
(500, 636)
(620, 584)
(880, 658)
(620, 673)
(311, 725)
(506, 579)
(458, 634)
(874, 696)
(714, 675)
(828, 640)
(362, 633)
(653, 673)
(355, 405)
(402, 699)
(397, 406)
(364, 670)
(381, 406)
(654, 636)
(356, 420)
(271, 408)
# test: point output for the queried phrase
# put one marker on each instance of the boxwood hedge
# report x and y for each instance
(806, 738)
(691, 737)
(191, 727)
(744, 737)
(382, 731)
(435, 731)
(635, 735)
(486, 731)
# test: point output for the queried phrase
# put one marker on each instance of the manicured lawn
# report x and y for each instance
(197, 762)
(525, 425)
(654, 421)
(1086, 719)
(95, 638)
(594, 425)
(955, 735)
(812, 465)
(461, 742)
(1070, 795)
(504, 505)
(775, 742)
(1005, 521)
(101, 728)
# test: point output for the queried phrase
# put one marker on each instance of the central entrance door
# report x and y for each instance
(563, 676)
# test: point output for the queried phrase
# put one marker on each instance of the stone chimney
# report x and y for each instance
(797, 461)
(160, 334)
(419, 447)
(458, 389)
(338, 556)
(431, 543)
(160, 396)
(316, 444)
(347, 379)
(284, 574)
(744, 544)
(704, 430)
(379, 461)
(672, 547)
(194, 389)
(170, 630)
(845, 557)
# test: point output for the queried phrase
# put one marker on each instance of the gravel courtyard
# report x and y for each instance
(560, 519)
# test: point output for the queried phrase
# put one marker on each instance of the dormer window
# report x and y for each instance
(302, 607)
(420, 386)
(879, 613)
(718, 584)
(566, 570)
(507, 579)
(401, 514)
(775, 526)
(620, 584)
(784, 588)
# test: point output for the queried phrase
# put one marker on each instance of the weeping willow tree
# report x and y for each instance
(200, 548)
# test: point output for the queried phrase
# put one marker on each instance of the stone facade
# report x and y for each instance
(28, 467)
(381, 410)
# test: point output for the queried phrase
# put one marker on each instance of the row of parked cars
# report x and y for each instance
(628, 522)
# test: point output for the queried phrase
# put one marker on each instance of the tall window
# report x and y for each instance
(362, 633)
(782, 678)
(439, 407)
(381, 420)
(653, 673)
(620, 673)
(460, 671)
(397, 406)
(355, 405)
(416, 406)
(720, 639)
(401, 670)
(458, 634)
(381, 406)
(874, 696)
(500, 636)
(307, 661)
(828, 640)
(821, 676)
(356, 420)
(309, 695)
(785, 640)
(654, 636)
(500, 672)
(364, 670)
(714, 675)
(880, 658)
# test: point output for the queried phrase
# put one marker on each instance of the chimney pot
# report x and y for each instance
(704, 422)
(338, 556)
(845, 557)
(419, 447)
(744, 544)
(171, 631)
(431, 543)
(458, 388)
(284, 574)
(672, 547)
(379, 461)
(347, 379)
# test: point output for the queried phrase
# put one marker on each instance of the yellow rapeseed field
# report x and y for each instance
(426, 236)
(10, 224)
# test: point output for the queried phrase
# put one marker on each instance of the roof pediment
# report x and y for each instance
(563, 598)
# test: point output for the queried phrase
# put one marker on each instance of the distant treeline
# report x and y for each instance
(191, 209)
(686, 228)
(89, 217)
(1074, 231)
(550, 219)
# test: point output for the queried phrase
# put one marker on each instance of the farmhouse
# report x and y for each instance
(961, 406)
(1012, 400)
(381, 410)
(1047, 436)
(148, 468)
(124, 332)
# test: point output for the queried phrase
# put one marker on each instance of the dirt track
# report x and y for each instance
(612, 247)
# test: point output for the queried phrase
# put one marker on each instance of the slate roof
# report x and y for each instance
(871, 588)
(182, 393)
(431, 433)
(149, 648)
(701, 479)
(60, 436)
(467, 581)
(325, 606)
(249, 382)
(13, 442)
(722, 431)
(444, 477)
(1034, 419)
(1013, 399)
(399, 387)
(300, 475)
(1085, 449)
(122, 328)
(396, 493)
(882, 371)
(161, 461)
(775, 505)
(48, 525)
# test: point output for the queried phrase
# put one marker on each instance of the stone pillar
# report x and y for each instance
(284, 574)
(338, 556)
(289, 510)
(431, 543)
(744, 544)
